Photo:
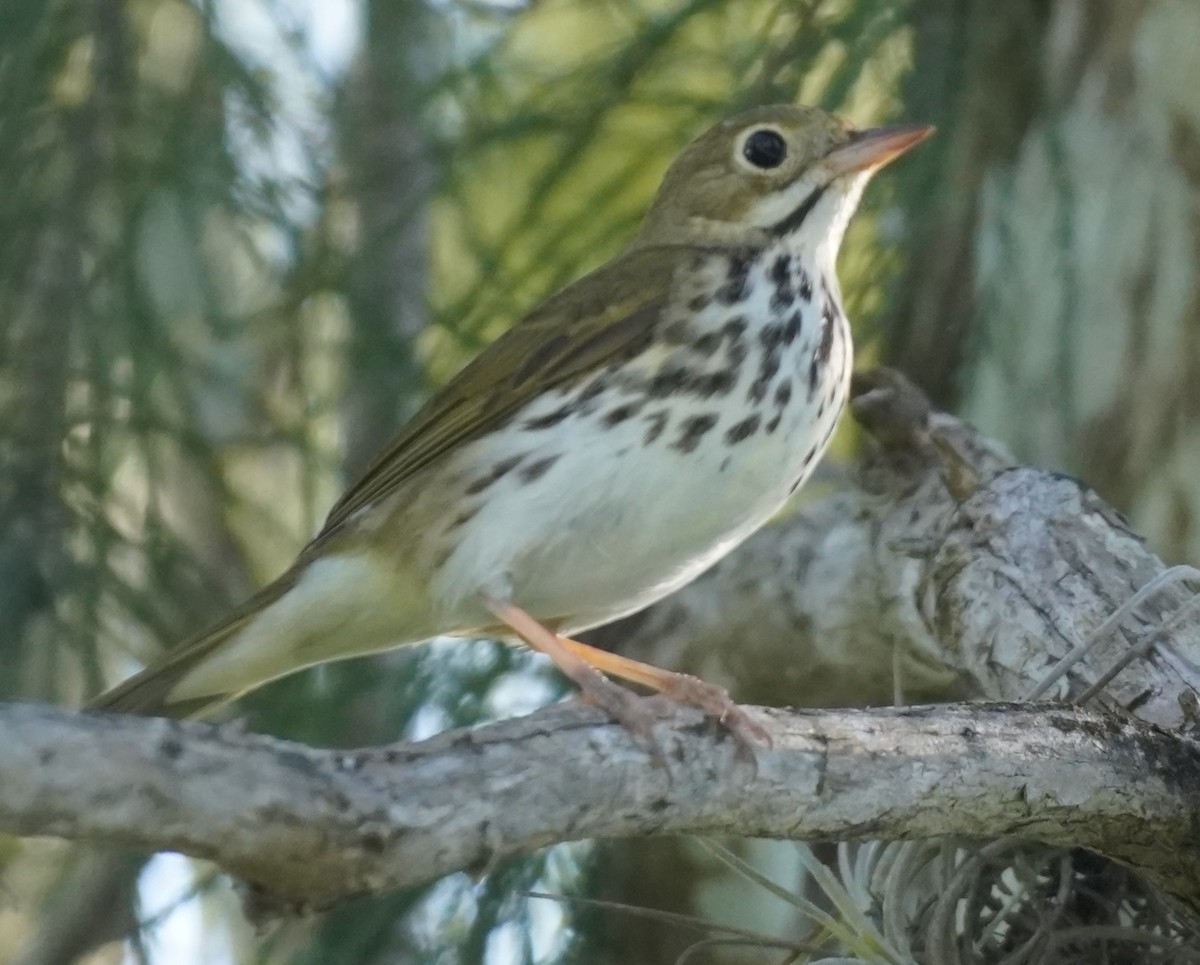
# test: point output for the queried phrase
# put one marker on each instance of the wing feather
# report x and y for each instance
(605, 314)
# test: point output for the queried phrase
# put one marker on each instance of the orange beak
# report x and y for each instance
(871, 149)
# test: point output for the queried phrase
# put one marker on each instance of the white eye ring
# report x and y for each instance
(763, 149)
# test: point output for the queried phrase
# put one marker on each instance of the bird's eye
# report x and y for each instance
(765, 149)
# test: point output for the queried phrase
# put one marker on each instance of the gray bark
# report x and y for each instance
(315, 826)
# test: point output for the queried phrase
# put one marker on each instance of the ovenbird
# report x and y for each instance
(625, 435)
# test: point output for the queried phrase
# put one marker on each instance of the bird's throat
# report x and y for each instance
(794, 222)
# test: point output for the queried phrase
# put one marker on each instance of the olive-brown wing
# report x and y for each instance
(607, 314)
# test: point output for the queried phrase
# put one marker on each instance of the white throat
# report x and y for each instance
(813, 217)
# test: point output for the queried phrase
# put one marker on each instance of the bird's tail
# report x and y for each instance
(148, 693)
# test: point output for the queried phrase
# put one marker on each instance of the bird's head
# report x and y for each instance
(772, 172)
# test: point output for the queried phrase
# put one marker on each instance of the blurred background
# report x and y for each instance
(241, 240)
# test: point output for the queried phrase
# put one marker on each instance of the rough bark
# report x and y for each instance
(316, 826)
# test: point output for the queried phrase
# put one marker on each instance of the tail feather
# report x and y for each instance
(148, 693)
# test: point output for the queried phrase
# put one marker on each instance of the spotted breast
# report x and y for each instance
(649, 471)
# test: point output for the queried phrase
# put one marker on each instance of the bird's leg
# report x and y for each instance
(586, 666)
(680, 687)
(625, 707)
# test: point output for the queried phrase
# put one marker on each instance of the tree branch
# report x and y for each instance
(316, 826)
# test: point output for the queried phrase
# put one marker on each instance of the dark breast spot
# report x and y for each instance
(804, 467)
(498, 471)
(814, 375)
(824, 349)
(536, 470)
(742, 430)
(781, 270)
(707, 343)
(464, 517)
(783, 393)
(806, 290)
(732, 293)
(736, 286)
(792, 329)
(622, 412)
(656, 422)
(714, 383)
(586, 400)
(828, 320)
(692, 430)
(783, 296)
(766, 371)
(505, 466)
(770, 337)
(667, 383)
(684, 381)
(549, 419)
(735, 328)
(676, 332)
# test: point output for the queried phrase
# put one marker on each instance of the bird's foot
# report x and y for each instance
(635, 713)
(586, 666)
(694, 692)
(679, 687)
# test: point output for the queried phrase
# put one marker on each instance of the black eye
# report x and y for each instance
(765, 149)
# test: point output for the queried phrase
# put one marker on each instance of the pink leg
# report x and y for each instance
(586, 666)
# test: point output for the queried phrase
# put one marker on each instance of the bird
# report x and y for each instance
(620, 439)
